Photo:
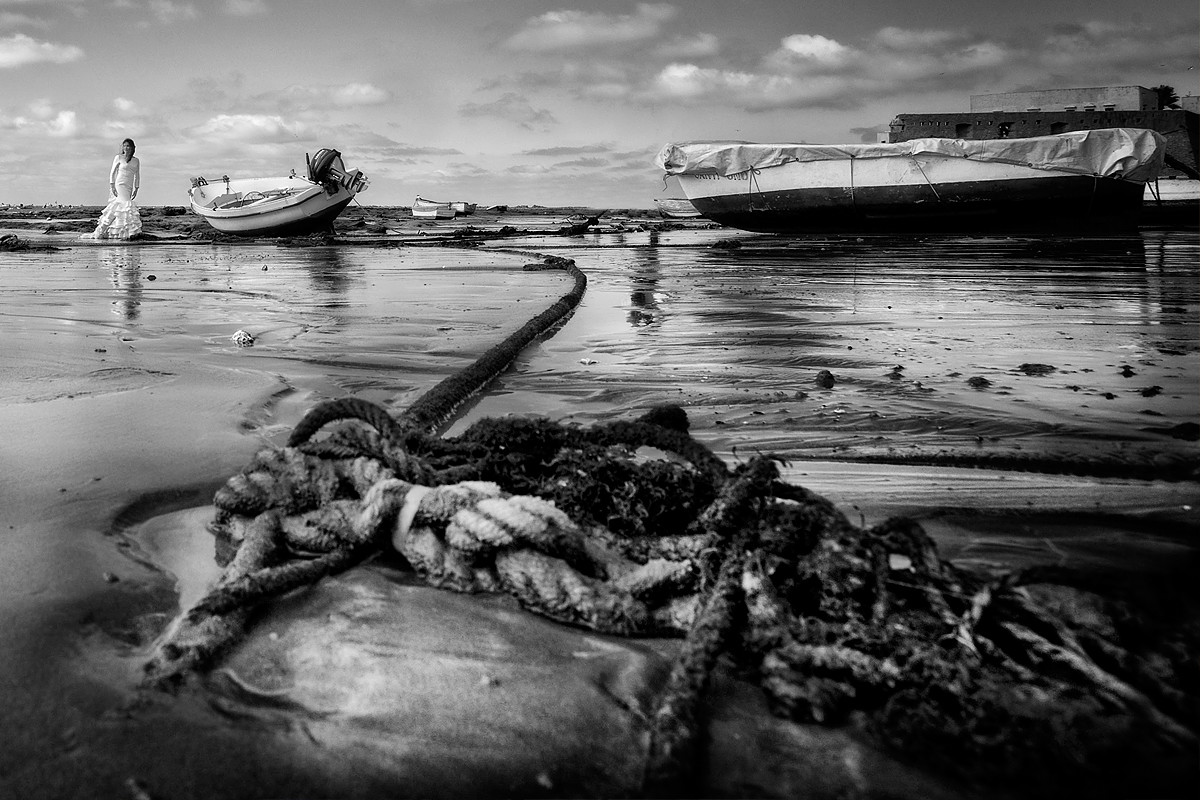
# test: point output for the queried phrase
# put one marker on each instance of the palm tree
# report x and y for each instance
(1166, 96)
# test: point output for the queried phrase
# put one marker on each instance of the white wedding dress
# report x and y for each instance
(120, 219)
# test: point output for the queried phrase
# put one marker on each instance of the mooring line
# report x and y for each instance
(736, 562)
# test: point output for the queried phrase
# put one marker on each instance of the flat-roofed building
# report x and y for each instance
(1097, 98)
(1016, 115)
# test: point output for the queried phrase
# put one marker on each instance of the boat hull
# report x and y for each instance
(1092, 178)
(432, 209)
(313, 213)
(280, 206)
(911, 194)
(433, 213)
(676, 208)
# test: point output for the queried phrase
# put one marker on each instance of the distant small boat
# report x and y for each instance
(287, 206)
(1081, 178)
(583, 219)
(677, 208)
(431, 209)
(462, 207)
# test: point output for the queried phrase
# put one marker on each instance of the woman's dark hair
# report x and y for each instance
(130, 143)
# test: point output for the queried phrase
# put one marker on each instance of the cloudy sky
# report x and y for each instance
(550, 102)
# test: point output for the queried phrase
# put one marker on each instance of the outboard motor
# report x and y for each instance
(327, 169)
(318, 168)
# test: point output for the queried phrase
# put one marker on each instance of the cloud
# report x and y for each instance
(250, 129)
(20, 50)
(700, 45)
(63, 125)
(246, 8)
(42, 119)
(805, 52)
(558, 152)
(460, 169)
(77, 4)
(812, 70)
(1106, 51)
(511, 107)
(904, 39)
(809, 70)
(528, 169)
(295, 98)
(587, 163)
(360, 94)
(571, 30)
(686, 82)
(223, 91)
(9, 19)
(169, 12)
(409, 150)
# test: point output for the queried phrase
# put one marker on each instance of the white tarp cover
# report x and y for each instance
(1132, 154)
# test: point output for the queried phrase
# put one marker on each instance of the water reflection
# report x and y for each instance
(125, 272)
(965, 254)
(327, 270)
(1139, 276)
(643, 311)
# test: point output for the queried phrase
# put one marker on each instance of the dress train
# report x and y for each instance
(120, 219)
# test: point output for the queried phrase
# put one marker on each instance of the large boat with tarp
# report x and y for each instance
(1089, 178)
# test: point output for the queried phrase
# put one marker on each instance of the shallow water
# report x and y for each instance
(967, 345)
(125, 403)
(933, 345)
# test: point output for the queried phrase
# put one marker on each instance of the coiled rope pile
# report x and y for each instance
(1037, 677)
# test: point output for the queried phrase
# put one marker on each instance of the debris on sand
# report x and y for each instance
(11, 242)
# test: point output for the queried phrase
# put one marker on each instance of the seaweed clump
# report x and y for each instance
(1044, 680)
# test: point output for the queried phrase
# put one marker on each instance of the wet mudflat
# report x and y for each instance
(1030, 400)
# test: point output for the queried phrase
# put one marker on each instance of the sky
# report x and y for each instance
(519, 102)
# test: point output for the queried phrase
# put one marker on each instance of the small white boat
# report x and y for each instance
(676, 208)
(1087, 178)
(463, 207)
(432, 209)
(286, 206)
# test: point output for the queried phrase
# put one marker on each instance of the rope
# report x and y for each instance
(437, 405)
(834, 622)
(853, 200)
(751, 186)
(926, 177)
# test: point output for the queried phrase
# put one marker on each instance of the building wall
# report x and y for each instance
(1100, 98)
(1181, 129)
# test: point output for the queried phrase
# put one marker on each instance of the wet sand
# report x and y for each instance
(126, 404)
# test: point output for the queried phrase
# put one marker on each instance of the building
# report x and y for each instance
(1016, 115)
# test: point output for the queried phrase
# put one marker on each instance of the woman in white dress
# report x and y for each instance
(120, 218)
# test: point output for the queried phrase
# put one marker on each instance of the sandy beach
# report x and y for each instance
(1027, 400)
